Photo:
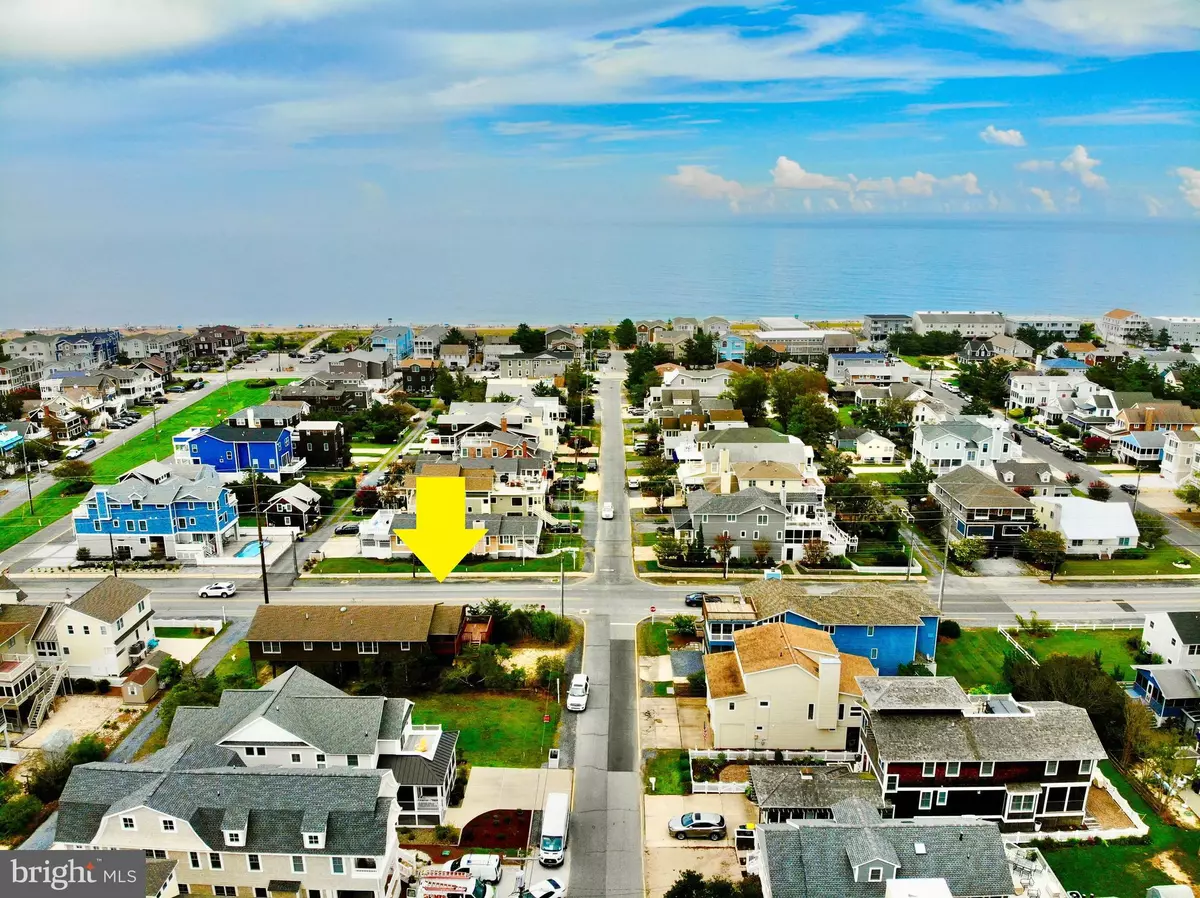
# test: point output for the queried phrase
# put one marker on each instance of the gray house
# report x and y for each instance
(748, 516)
(373, 365)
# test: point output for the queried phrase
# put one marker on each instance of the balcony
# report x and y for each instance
(20, 678)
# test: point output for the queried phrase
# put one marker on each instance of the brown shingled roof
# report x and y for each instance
(109, 599)
(140, 676)
(1120, 313)
(328, 623)
(726, 414)
(447, 620)
(722, 675)
(778, 645)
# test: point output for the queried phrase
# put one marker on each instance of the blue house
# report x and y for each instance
(731, 347)
(170, 510)
(94, 347)
(232, 451)
(890, 624)
(1170, 691)
(396, 341)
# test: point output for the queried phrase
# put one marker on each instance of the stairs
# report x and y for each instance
(45, 699)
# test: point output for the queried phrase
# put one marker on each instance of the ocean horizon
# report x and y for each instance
(485, 272)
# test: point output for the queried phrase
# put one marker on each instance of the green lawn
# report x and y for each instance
(647, 539)
(662, 687)
(403, 567)
(652, 638)
(974, 659)
(1084, 643)
(844, 418)
(552, 541)
(1157, 561)
(1103, 868)
(212, 409)
(47, 508)
(670, 769)
(182, 632)
(880, 476)
(236, 662)
(495, 730)
(341, 338)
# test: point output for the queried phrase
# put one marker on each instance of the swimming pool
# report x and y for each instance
(251, 550)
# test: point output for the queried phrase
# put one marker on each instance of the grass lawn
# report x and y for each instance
(669, 767)
(844, 419)
(880, 476)
(403, 567)
(652, 638)
(1084, 643)
(367, 444)
(341, 338)
(974, 659)
(552, 541)
(661, 688)
(591, 432)
(495, 729)
(1103, 868)
(51, 505)
(647, 539)
(1157, 561)
(236, 662)
(182, 633)
(212, 409)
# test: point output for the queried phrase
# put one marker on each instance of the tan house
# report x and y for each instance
(785, 687)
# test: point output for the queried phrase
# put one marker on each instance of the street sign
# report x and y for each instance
(652, 609)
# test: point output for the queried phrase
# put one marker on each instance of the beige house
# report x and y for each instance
(104, 631)
(873, 449)
(785, 687)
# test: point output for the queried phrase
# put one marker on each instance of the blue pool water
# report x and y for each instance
(252, 550)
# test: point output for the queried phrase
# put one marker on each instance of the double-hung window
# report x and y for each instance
(926, 800)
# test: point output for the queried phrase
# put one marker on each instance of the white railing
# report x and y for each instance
(1020, 648)
(215, 624)
(718, 788)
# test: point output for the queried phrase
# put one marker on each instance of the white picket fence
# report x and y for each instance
(1016, 645)
(793, 757)
(215, 624)
(1099, 781)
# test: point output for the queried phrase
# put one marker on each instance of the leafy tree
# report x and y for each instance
(1039, 340)
(544, 388)
(913, 482)
(11, 407)
(17, 815)
(933, 343)
(762, 549)
(367, 499)
(668, 548)
(1094, 445)
(528, 339)
(684, 624)
(812, 420)
(1127, 375)
(1185, 346)
(749, 391)
(700, 350)
(73, 469)
(1189, 494)
(976, 406)
(454, 337)
(1099, 490)
(1151, 527)
(816, 553)
(1070, 431)
(862, 508)
(1047, 548)
(1073, 680)
(598, 338)
(786, 387)
(986, 381)
(886, 416)
(640, 373)
(625, 334)
(697, 550)
(1073, 479)
(835, 463)
(658, 466)
(761, 356)
(968, 550)
(723, 546)
(1087, 332)
(169, 673)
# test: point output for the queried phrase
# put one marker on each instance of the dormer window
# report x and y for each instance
(314, 840)
(875, 874)
(234, 837)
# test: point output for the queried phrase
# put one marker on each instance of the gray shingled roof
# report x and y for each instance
(913, 694)
(1187, 625)
(701, 502)
(784, 787)
(974, 489)
(813, 858)
(414, 770)
(110, 598)
(157, 873)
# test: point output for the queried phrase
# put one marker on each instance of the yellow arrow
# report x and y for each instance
(441, 537)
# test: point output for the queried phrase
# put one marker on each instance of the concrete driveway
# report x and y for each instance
(693, 723)
(663, 865)
(658, 724)
(735, 807)
(494, 788)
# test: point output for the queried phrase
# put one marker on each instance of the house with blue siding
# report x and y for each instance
(889, 624)
(1169, 691)
(731, 347)
(232, 451)
(395, 341)
(178, 510)
(91, 347)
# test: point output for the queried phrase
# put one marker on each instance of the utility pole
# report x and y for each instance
(562, 587)
(25, 465)
(1137, 490)
(112, 554)
(942, 581)
(262, 550)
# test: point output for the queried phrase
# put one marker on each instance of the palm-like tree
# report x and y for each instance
(278, 345)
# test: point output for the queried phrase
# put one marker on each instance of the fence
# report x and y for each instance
(190, 622)
(914, 568)
(1020, 648)
(795, 757)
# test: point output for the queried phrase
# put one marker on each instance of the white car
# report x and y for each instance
(222, 589)
(74, 453)
(634, 482)
(577, 695)
(606, 511)
(547, 888)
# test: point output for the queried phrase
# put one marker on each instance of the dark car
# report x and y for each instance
(1046, 438)
(696, 599)
(1129, 488)
(563, 527)
(348, 529)
(697, 826)
(1074, 455)
(593, 465)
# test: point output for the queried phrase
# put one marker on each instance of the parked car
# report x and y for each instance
(547, 888)
(607, 511)
(199, 385)
(161, 400)
(697, 599)
(88, 445)
(178, 388)
(1074, 455)
(1043, 437)
(222, 589)
(697, 826)
(1060, 446)
(1129, 488)
(577, 695)
(634, 483)
(347, 529)
(593, 466)
(117, 424)
(485, 867)
(562, 527)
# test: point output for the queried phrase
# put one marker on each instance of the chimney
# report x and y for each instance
(250, 416)
(724, 471)
(504, 423)
(829, 679)
(1037, 362)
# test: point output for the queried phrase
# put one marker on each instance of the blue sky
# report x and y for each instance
(211, 123)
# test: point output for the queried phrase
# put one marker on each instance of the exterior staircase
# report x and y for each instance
(45, 699)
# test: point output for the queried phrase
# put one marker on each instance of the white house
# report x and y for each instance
(1088, 527)
(977, 442)
(873, 449)
(1120, 325)
(1044, 324)
(708, 382)
(101, 633)
(1180, 328)
(1175, 635)
(1042, 391)
(968, 324)
(1181, 453)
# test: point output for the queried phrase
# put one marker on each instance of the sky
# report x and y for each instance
(211, 123)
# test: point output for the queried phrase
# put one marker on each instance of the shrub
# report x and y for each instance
(102, 687)
(950, 629)
(684, 624)
(83, 553)
(446, 833)
(549, 669)
(1073, 479)
(84, 684)
(1099, 490)
(698, 683)
(1068, 430)
(262, 383)
(18, 814)
(77, 487)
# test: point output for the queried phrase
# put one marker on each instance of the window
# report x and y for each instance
(270, 648)
(307, 646)
(183, 888)
(335, 646)
(926, 800)
(812, 712)
(942, 797)
(1051, 768)
(1085, 767)
(96, 525)
(70, 630)
(732, 706)
(225, 891)
(929, 768)
(129, 525)
(893, 782)
(295, 757)
(337, 865)
(730, 517)
(405, 646)
(368, 648)
(233, 838)
(875, 874)
(870, 631)
(193, 860)
(743, 534)
(314, 893)
(874, 654)
(952, 768)
(764, 704)
(351, 760)
(297, 863)
(128, 823)
(87, 631)
(155, 854)
(214, 860)
(987, 768)
(1023, 804)
(168, 826)
(253, 863)
(762, 519)
(260, 892)
(320, 760)
(312, 840)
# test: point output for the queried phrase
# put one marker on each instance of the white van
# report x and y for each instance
(556, 820)
(481, 866)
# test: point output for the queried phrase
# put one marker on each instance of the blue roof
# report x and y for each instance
(1064, 363)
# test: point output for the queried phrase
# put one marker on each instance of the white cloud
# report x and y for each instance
(581, 131)
(1080, 164)
(1154, 206)
(699, 181)
(1143, 114)
(831, 204)
(1037, 165)
(97, 30)
(920, 184)
(1190, 186)
(1046, 199)
(1006, 138)
(1082, 27)
(790, 175)
(929, 108)
(808, 204)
